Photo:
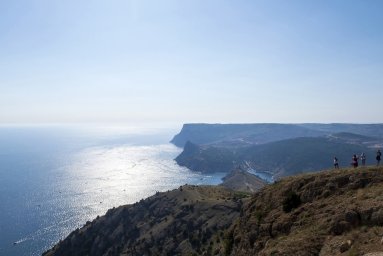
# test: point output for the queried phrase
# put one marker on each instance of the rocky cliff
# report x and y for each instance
(326, 213)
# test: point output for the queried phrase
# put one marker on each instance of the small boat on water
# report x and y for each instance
(18, 242)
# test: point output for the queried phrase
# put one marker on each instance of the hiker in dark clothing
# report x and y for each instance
(378, 156)
(336, 164)
(354, 161)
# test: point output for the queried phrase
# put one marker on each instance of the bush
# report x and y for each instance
(291, 201)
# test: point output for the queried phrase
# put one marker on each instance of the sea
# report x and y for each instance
(55, 178)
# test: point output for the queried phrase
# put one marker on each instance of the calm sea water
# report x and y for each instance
(54, 179)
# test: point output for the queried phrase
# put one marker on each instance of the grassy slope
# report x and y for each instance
(341, 214)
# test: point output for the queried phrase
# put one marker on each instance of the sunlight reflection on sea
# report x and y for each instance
(47, 192)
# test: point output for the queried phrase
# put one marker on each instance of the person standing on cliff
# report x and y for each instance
(363, 158)
(336, 164)
(354, 161)
(378, 156)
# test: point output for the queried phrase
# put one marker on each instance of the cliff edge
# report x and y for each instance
(326, 213)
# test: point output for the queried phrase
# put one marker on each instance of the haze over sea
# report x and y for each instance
(53, 179)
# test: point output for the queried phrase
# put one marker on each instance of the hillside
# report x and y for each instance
(329, 213)
(246, 134)
(352, 138)
(369, 130)
(207, 159)
(326, 213)
(186, 221)
(277, 149)
(240, 134)
(299, 155)
(280, 158)
(240, 180)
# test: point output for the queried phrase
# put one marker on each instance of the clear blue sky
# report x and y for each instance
(191, 61)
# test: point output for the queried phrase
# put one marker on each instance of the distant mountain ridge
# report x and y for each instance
(240, 133)
(202, 133)
(370, 130)
(279, 149)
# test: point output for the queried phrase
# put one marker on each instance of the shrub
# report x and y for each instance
(291, 201)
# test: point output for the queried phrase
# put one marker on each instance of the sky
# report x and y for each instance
(141, 61)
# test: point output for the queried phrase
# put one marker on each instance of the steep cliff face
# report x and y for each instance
(327, 213)
(207, 159)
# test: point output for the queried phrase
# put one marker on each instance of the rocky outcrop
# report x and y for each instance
(240, 180)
